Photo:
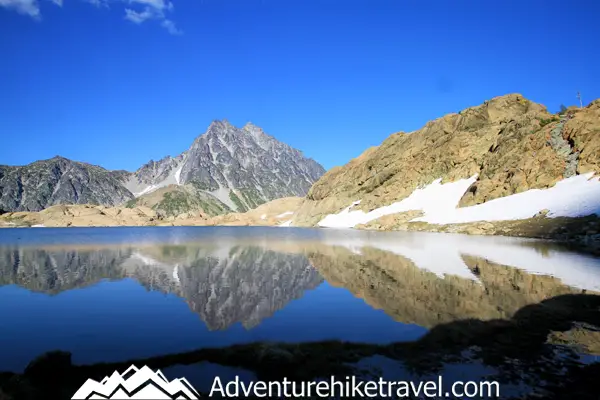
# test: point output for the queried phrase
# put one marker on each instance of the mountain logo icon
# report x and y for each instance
(134, 383)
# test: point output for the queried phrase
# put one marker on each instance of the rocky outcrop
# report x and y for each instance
(510, 143)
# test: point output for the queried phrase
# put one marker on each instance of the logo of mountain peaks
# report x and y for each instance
(134, 383)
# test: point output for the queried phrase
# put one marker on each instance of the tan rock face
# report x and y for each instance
(506, 141)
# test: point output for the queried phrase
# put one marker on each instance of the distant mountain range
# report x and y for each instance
(225, 169)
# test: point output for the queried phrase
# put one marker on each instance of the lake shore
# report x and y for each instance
(581, 233)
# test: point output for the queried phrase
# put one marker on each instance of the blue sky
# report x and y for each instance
(120, 82)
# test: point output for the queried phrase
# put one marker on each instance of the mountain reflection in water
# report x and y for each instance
(120, 294)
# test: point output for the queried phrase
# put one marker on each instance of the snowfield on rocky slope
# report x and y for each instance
(573, 197)
(284, 214)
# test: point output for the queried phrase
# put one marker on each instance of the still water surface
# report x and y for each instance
(118, 294)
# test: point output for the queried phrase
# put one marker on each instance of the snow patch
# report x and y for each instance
(176, 273)
(264, 216)
(573, 197)
(145, 259)
(38, 226)
(286, 223)
(285, 214)
(577, 196)
(149, 189)
(178, 174)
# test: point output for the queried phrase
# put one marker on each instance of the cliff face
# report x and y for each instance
(510, 143)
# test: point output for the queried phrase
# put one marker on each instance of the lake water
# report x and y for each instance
(426, 303)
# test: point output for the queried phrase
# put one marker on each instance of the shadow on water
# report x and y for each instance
(518, 348)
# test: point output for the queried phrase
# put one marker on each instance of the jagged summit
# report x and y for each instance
(240, 168)
(249, 161)
(219, 124)
(249, 126)
(56, 157)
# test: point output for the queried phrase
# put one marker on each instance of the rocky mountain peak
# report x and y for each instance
(228, 158)
(240, 167)
(250, 127)
(218, 126)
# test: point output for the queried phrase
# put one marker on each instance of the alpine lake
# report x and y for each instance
(305, 304)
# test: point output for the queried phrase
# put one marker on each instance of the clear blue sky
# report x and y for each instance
(329, 77)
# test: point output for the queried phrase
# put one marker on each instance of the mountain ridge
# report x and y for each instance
(228, 168)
